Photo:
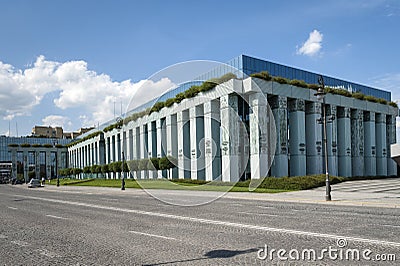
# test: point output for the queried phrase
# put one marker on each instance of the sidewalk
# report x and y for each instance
(371, 193)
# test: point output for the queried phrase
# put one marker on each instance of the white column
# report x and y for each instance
(143, 148)
(357, 142)
(260, 134)
(230, 138)
(172, 141)
(212, 124)
(159, 134)
(280, 167)
(344, 145)
(314, 138)
(48, 166)
(297, 138)
(183, 129)
(369, 144)
(152, 145)
(331, 134)
(380, 134)
(391, 139)
(197, 142)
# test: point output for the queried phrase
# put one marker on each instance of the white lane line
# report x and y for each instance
(56, 217)
(48, 253)
(20, 243)
(12, 208)
(224, 223)
(158, 236)
(389, 225)
(263, 214)
(3, 236)
(266, 207)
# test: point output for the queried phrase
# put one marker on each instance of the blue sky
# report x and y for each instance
(67, 62)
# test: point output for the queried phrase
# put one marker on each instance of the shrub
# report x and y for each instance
(169, 102)
(47, 145)
(298, 83)
(280, 80)
(13, 145)
(179, 97)
(133, 165)
(157, 107)
(262, 75)
(371, 98)
(25, 145)
(95, 169)
(76, 171)
(394, 104)
(358, 95)
(105, 168)
(87, 169)
(167, 163)
(382, 101)
(143, 164)
(152, 164)
(59, 146)
(313, 86)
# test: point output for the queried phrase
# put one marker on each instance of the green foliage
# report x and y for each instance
(152, 164)
(393, 104)
(382, 101)
(358, 95)
(133, 165)
(143, 164)
(95, 169)
(87, 169)
(90, 136)
(262, 75)
(36, 145)
(313, 86)
(169, 102)
(115, 167)
(25, 145)
(370, 98)
(179, 97)
(280, 80)
(47, 145)
(13, 145)
(167, 163)
(298, 83)
(157, 107)
(105, 169)
(77, 171)
(59, 146)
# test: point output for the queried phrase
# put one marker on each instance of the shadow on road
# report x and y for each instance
(213, 254)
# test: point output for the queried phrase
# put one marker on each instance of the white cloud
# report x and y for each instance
(57, 121)
(76, 87)
(313, 45)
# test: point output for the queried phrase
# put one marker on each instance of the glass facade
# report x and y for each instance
(5, 155)
(243, 66)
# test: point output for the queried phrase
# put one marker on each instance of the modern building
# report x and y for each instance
(47, 132)
(32, 156)
(250, 127)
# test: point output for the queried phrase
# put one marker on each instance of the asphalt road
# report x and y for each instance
(112, 227)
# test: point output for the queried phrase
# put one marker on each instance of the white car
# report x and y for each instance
(34, 183)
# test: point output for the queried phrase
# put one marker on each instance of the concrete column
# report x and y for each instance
(230, 138)
(144, 148)
(37, 165)
(161, 139)
(369, 144)
(381, 153)
(183, 128)
(136, 148)
(152, 145)
(212, 123)
(344, 142)
(172, 141)
(130, 148)
(391, 139)
(331, 134)
(314, 138)
(196, 116)
(357, 142)
(14, 163)
(48, 166)
(260, 145)
(26, 166)
(280, 165)
(297, 138)
(107, 149)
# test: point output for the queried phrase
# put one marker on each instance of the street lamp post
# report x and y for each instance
(120, 125)
(321, 96)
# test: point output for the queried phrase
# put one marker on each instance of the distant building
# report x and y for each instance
(57, 132)
(48, 132)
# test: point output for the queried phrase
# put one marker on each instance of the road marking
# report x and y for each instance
(224, 223)
(56, 217)
(20, 243)
(12, 208)
(263, 214)
(159, 236)
(3, 236)
(389, 225)
(266, 207)
(48, 253)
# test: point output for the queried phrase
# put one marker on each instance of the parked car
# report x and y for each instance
(34, 183)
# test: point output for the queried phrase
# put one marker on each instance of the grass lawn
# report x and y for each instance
(159, 184)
